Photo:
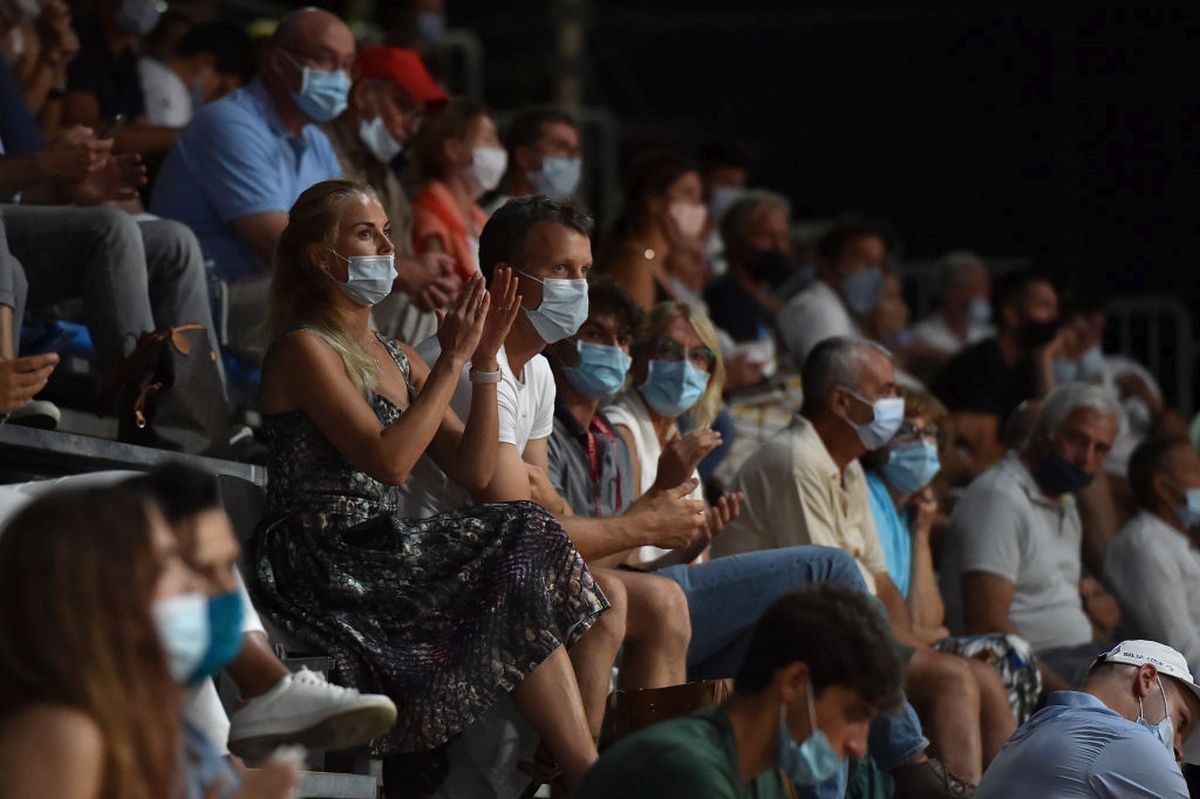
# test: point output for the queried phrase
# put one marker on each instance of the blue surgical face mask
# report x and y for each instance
(323, 95)
(862, 289)
(376, 137)
(888, 416)
(182, 624)
(1057, 475)
(812, 761)
(1188, 511)
(563, 309)
(1164, 730)
(558, 178)
(1091, 363)
(672, 387)
(138, 17)
(722, 199)
(979, 312)
(600, 372)
(225, 614)
(369, 278)
(910, 467)
(1065, 370)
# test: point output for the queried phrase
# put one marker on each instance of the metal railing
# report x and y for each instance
(1157, 332)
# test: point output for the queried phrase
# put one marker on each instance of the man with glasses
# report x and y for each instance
(806, 486)
(244, 160)
(388, 102)
(543, 156)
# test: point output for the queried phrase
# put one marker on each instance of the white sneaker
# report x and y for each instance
(303, 708)
(37, 413)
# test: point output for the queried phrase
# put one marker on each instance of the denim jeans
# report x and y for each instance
(133, 277)
(726, 597)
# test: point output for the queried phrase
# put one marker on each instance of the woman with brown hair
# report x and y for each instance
(655, 250)
(446, 614)
(88, 707)
(459, 159)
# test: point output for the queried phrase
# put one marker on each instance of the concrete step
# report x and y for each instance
(320, 785)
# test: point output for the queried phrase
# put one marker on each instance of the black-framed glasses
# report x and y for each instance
(666, 349)
(911, 431)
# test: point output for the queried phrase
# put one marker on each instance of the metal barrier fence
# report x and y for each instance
(1157, 332)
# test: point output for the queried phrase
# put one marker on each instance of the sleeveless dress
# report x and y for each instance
(444, 615)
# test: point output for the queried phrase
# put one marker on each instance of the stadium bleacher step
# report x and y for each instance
(321, 785)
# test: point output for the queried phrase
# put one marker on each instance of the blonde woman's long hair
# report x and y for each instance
(705, 410)
(299, 295)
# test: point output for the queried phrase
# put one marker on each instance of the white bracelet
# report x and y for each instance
(479, 376)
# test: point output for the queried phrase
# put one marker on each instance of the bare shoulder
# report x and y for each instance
(53, 742)
(296, 355)
(300, 346)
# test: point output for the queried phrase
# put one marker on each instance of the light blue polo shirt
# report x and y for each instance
(1077, 746)
(235, 159)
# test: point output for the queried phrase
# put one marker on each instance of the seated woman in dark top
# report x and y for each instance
(446, 614)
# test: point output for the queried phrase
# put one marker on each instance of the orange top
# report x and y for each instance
(435, 213)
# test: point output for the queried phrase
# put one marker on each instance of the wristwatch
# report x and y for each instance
(478, 376)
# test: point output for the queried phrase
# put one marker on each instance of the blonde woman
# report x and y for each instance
(677, 371)
(446, 614)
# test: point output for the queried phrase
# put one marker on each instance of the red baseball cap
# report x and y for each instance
(405, 69)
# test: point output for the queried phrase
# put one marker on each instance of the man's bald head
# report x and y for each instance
(309, 26)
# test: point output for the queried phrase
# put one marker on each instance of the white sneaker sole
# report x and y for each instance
(343, 731)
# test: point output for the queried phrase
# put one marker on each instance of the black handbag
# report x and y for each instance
(168, 393)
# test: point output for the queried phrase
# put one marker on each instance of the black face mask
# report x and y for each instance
(1057, 475)
(770, 266)
(1038, 334)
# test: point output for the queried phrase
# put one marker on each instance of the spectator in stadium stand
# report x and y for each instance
(1153, 565)
(278, 707)
(821, 664)
(244, 160)
(655, 249)
(485, 599)
(211, 61)
(38, 42)
(390, 99)
(1121, 735)
(1013, 559)
(964, 315)
(103, 624)
(851, 258)
(459, 159)
(103, 79)
(544, 156)
(984, 383)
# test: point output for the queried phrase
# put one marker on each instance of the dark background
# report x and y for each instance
(1068, 138)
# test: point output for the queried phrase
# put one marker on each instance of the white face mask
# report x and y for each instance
(689, 217)
(558, 178)
(379, 140)
(485, 170)
(369, 278)
(564, 307)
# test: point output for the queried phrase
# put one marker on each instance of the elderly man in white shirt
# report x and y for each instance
(966, 310)
(1013, 559)
(1154, 563)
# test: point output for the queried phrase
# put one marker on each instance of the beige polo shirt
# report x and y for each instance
(795, 495)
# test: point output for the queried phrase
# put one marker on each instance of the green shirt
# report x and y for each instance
(692, 757)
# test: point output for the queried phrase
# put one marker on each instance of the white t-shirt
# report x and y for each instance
(168, 101)
(933, 332)
(813, 315)
(524, 410)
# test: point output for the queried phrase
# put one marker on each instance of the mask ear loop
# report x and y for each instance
(812, 711)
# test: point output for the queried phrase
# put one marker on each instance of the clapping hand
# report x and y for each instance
(506, 303)
(682, 455)
(460, 327)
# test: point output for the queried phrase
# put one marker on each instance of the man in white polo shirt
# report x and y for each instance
(1013, 561)
(1119, 737)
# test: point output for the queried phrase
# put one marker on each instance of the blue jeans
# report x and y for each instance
(727, 596)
